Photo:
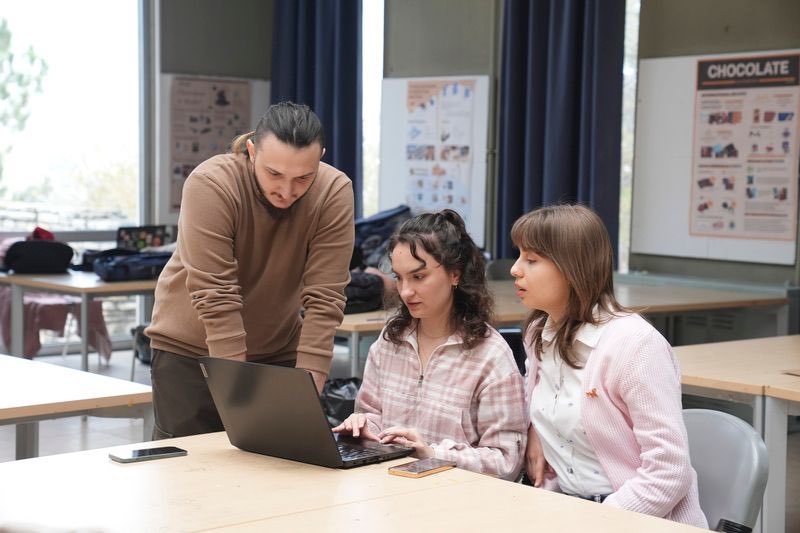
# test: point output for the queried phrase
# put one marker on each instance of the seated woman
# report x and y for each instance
(439, 378)
(603, 386)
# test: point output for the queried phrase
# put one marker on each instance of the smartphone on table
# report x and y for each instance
(422, 467)
(146, 454)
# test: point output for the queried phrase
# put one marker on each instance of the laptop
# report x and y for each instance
(276, 411)
(137, 237)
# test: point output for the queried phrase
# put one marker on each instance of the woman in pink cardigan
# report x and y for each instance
(603, 387)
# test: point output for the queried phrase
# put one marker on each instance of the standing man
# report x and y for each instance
(263, 231)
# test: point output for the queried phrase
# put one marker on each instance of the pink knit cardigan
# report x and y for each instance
(633, 417)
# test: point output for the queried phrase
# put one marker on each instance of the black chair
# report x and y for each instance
(513, 337)
(141, 347)
(500, 269)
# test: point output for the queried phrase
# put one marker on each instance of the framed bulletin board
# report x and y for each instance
(198, 117)
(716, 157)
(433, 146)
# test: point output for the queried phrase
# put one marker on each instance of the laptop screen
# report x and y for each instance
(276, 411)
(138, 237)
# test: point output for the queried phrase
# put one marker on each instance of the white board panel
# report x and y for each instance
(662, 170)
(393, 185)
(259, 101)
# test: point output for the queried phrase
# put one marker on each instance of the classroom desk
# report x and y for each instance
(217, 487)
(31, 391)
(86, 285)
(752, 371)
(643, 297)
(782, 398)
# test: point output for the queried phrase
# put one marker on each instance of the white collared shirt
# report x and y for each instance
(556, 414)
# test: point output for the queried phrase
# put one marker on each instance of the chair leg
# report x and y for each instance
(66, 333)
(133, 359)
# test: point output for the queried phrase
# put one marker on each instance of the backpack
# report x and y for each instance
(38, 257)
(145, 265)
(338, 398)
(364, 292)
(372, 233)
(141, 344)
(90, 256)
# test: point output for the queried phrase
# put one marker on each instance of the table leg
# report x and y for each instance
(17, 321)
(84, 332)
(775, 436)
(782, 319)
(355, 356)
(758, 425)
(27, 440)
(670, 329)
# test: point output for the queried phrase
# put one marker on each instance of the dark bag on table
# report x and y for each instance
(339, 398)
(38, 257)
(145, 265)
(90, 256)
(364, 292)
(373, 232)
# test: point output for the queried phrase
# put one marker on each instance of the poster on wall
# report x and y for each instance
(745, 160)
(206, 114)
(438, 144)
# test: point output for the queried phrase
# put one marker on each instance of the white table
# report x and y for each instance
(86, 285)
(31, 391)
(782, 398)
(217, 487)
(646, 295)
(752, 371)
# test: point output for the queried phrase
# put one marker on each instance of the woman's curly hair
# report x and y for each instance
(444, 237)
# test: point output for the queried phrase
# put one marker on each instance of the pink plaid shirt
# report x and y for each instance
(469, 405)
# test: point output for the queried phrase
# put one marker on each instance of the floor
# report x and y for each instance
(75, 434)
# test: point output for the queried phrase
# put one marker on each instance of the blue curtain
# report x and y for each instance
(560, 109)
(316, 60)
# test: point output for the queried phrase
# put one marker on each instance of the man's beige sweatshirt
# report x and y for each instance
(239, 276)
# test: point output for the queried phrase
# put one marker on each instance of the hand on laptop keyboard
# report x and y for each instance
(351, 452)
(356, 425)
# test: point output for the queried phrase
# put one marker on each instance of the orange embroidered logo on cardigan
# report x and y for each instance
(592, 393)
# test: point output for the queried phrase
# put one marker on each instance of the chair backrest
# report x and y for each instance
(732, 467)
(500, 269)
(513, 337)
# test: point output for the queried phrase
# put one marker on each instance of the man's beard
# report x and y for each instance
(278, 213)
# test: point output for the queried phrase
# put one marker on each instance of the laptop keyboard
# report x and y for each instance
(350, 453)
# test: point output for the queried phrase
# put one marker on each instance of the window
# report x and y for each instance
(72, 162)
(629, 68)
(69, 124)
(372, 77)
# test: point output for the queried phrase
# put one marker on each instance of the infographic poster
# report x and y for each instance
(206, 114)
(745, 161)
(439, 149)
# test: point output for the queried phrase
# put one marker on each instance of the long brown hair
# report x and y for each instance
(576, 240)
(444, 237)
(293, 124)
